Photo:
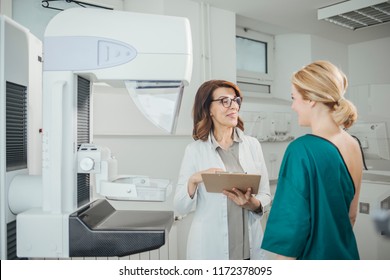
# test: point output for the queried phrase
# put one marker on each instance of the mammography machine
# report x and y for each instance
(151, 56)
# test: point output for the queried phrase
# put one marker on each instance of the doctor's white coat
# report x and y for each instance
(208, 235)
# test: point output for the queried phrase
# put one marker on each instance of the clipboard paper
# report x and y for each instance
(217, 182)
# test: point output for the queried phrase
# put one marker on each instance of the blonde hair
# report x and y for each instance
(321, 81)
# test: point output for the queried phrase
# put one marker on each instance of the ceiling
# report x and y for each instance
(296, 16)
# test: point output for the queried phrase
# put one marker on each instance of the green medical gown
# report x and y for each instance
(309, 217)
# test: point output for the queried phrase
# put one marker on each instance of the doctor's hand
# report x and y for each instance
(196, 178)
(245, 200)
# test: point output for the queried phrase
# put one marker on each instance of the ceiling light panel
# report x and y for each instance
(357, 14)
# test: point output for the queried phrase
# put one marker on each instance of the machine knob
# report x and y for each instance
(87, 164)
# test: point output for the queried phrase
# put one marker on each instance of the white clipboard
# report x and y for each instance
(217, 182)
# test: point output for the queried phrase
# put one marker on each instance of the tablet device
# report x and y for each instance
(217, 182)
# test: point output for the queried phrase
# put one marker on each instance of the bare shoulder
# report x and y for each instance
(351, 141)
(350, 150)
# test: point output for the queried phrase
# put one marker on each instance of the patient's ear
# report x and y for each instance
(312, 103)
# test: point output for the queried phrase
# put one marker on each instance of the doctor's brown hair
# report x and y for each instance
(203, 123)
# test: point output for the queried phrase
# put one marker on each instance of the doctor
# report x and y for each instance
(225, 225)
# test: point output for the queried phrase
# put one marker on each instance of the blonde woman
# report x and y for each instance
(316, 200)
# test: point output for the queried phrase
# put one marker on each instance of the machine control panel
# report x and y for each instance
(88, 159)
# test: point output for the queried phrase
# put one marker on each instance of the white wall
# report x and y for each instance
(323, 49)
(293, 51)
(369, 66)
(369, 62)
(369, 77)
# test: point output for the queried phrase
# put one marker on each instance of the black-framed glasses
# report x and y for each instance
(227, 101)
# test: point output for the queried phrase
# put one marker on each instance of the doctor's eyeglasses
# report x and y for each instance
(227, 101)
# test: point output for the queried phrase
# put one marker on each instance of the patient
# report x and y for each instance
(316, 200)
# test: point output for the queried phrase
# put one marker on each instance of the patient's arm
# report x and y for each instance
(281, 257)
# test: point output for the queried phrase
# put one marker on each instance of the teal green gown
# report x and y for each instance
(309, 217)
